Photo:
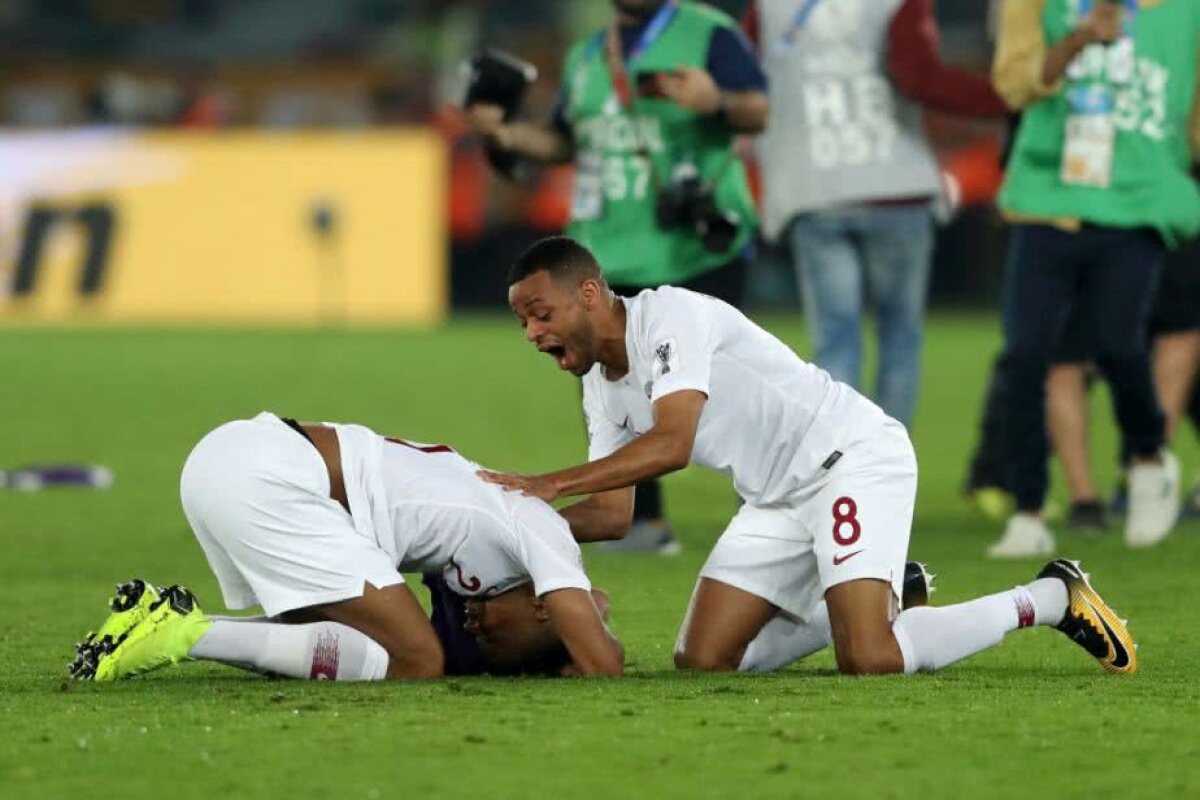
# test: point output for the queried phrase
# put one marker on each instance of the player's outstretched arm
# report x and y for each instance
(602, 517)
(577, 621)
(664, 448)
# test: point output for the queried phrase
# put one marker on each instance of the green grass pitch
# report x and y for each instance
(1035, 717)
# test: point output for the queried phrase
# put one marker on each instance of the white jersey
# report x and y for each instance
(425, 506)
(772, 422)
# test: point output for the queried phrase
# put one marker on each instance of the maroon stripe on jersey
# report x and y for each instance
(433, 448)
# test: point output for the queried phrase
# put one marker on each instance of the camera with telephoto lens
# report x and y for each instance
(686, 201)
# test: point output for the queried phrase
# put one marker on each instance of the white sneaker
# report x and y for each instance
(1153, 501)
(1025, 536)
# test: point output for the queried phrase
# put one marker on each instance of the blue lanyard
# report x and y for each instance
(799, 21)
(803, 14)
(662, 18)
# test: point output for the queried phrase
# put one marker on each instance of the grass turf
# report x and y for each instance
(1034, 717)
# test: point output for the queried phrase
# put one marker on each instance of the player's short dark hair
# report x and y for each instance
(564, 258)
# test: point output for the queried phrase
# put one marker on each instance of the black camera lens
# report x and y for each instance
(689, 202)
(717, 233)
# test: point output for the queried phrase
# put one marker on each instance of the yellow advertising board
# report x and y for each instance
(231, 228)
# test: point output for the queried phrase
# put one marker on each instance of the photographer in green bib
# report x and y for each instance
(648, 112)
(1097, 188)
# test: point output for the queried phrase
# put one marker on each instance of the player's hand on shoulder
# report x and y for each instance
(528, 485)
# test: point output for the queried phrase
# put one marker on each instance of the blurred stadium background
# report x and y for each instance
(300, 148)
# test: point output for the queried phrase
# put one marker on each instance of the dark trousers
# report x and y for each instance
(1112, 274)
(726, 283)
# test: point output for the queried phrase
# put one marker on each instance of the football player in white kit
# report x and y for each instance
(816, 553)
(315, 523)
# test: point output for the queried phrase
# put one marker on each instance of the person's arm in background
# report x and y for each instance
(732, 84)
(545, 144)
(917, 68)
(1025, 70)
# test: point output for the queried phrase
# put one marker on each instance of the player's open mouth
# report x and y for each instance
(558, 352)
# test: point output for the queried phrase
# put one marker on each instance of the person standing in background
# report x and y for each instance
(849, 174)
(1097, 187)
(648, 113)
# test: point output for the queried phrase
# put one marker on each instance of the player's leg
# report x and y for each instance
(720, 623)
(785, 639)
(862, 554)
(861, 521)
(869, 637)
(382, 634)
(757, 603)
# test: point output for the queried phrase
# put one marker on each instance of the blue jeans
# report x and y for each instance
(887, 249)
(1108, 276)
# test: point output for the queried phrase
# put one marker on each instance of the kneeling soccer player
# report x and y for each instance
(315, 523)
(816, 554)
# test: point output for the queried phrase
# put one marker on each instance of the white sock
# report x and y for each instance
(933, 637)
(785, 639)
(1049, 600)
(320, 650)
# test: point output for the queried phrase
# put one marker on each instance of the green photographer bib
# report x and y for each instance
(623, 157)
(1112, 147)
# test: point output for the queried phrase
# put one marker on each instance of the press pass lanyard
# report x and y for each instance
(617, 65)
(788, 37)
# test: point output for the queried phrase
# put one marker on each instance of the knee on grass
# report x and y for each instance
(869, 657)
(701, 659)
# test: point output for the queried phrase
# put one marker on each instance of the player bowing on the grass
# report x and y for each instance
(315, 523)
(816, 554)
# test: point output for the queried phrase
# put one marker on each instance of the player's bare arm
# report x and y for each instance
(665, 448)
(577, 621)
(601, 517)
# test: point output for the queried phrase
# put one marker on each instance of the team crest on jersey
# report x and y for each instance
(666, 358)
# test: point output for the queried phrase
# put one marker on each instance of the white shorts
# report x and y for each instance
(256, 494)
(854, 524)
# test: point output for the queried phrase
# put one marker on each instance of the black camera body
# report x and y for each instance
(687, 201)
(498, 78)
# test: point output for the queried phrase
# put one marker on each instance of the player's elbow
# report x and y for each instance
(613, 667)
(610, 664)
(675, 453)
